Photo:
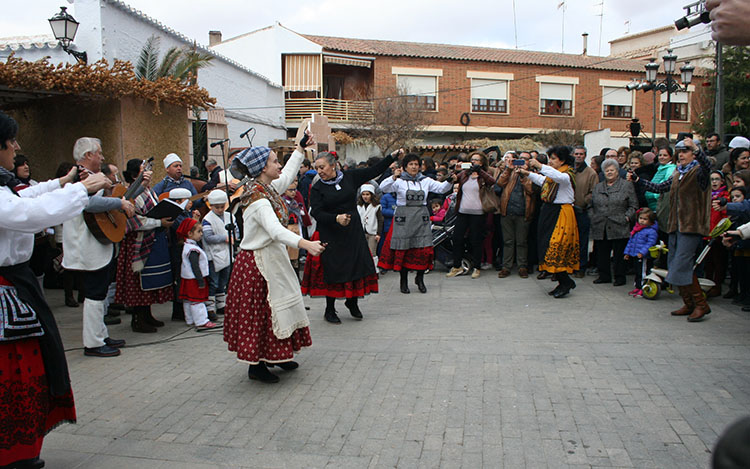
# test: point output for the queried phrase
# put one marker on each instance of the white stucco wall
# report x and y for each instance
(261, 50)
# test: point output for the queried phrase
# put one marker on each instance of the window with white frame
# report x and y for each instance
(421, 90)
(617, 102)
(556, 99)
(678, 105)
(489, 95)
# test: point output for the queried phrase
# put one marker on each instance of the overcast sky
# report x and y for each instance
(468, 22)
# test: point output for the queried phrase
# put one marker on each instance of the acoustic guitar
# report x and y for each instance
(109, 227)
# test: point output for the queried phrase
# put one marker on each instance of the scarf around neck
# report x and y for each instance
(550, 187)
(336, 180)
(684, 169)
(408, 177)
(8, 179)
(258, 191)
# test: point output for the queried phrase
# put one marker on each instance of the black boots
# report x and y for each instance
(260, 372)
(138, 320)
(419, 281)
(566, 284)
(405, 281)
(330, 314)
(353, 306)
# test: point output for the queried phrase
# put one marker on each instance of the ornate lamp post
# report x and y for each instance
(64, 27)
(669, 85)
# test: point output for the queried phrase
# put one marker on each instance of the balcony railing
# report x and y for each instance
(335, 109)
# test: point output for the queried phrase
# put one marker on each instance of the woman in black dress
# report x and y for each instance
(345, 269)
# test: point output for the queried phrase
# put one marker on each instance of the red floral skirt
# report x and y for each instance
(192, 292)
(248, 330)
(314, 284)
(28, 411)
(409, 259)
(129, 291)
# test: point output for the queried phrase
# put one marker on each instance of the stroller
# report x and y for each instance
(442, 240)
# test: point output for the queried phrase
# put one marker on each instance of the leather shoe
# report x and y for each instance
(579, 273)
(114, 343)
(71, 303)
(260, 373)
(553, 292)
(34, 463)
(286, 366)
(503, 273)
(542, 275)
(332, 317)
(103, 351)
(618, 282)
(353, 307)
(601, 280)
(523, 272)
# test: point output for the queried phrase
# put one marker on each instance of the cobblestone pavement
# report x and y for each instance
(476, 373)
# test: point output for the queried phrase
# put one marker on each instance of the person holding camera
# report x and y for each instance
(408, 245)
(470, 217)
(689, 221)
(558, 230)
(517, 205)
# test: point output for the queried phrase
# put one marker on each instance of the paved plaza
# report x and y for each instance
(476, 373)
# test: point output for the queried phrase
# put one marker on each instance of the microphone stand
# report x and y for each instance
(231, 217)
(250, 139)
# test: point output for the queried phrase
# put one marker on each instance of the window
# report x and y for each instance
(617, 102)
(421, 90)
(678, 105)
(489, 95)
(556, 99)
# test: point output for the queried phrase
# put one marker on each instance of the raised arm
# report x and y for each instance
(361, 176)
(31, 215)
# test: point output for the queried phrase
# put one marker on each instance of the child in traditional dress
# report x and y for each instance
(644, 235)
(368, 207)
(193, 274)
(216, 244)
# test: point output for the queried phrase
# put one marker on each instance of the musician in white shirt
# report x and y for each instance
(96, 260)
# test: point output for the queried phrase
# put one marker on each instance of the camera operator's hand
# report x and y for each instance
(475, 168)
(398, 154)
(719, 204)
(310, 142)
(729, 21)
(690, 143)
(397, 172)
(631, 177)
(70, 177)
(521, 171)
(535, 164)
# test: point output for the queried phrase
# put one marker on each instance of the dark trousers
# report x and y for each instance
(606, 249)
(640, 272)
(474, 224)
(584, 225)
(96, 282)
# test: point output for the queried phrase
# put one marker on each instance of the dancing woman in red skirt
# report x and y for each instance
(346, 269)
(35, 392)
(265, 320)
(408, 244)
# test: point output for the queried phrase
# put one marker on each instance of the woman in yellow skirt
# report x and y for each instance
(558, 231)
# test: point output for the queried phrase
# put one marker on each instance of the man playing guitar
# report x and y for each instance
(94, 259)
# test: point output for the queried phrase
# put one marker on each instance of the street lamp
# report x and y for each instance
(64, 27)
(669, 85)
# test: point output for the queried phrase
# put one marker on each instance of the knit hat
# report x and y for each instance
(170, 159)
(254, 159)
(649, 157)
(184, 229)
(367, 188)
(217, 197)
(739, 142)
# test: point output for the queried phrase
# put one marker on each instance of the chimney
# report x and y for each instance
(585, 43)
(214, 37)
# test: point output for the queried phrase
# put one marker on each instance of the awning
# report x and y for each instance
(302, 72)
(330, 59)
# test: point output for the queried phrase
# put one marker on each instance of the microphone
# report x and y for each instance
(219, 142)
(242, 135)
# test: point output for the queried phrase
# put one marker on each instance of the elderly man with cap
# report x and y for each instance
(96, 260)
(217, 226)
(174, 178)
(689, 222)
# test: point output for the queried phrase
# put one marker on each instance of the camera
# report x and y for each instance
(519, 162)
(465, 165)
(695, 13)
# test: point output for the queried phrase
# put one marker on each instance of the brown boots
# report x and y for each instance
(695, 306)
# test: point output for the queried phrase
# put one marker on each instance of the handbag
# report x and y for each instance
(488, 197)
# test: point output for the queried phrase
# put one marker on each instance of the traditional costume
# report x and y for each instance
(345, 269)
(35, 392)
(265, 319)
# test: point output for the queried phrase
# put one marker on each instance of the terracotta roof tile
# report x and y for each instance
(479, 54)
